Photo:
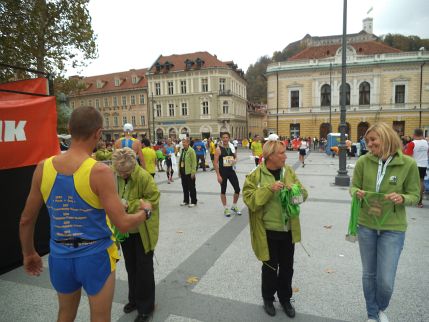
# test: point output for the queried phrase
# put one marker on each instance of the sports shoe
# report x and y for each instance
(227, 212)
(371, 320)
(420, 205)
(184, 204)
(382, 317)
(236, 210)
(129, 307)
(288, 308)
(191, 205)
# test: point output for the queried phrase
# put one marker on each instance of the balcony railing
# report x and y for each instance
(225, 92)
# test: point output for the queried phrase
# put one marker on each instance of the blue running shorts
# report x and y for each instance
(90, 272)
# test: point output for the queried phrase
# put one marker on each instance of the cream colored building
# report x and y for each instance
(120, 97)
(383, 84)
(196, 95)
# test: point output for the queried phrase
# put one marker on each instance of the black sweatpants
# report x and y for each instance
(141, 279)
(188, 187)
(278, 271)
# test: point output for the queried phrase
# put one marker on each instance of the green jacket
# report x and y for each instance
(256, 194)
(401, 176)
(103, 155)
(190, 161)
(141, 185)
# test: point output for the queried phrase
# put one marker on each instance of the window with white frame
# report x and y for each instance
(325, 95)
(117, 82)
(204, 85)
(106, 121)
(99, 84)
(124, 120)
(364, 93)
(205, 108)
(97, 103)
(225, 107)
(141, 99)
(294, 99)
(222, 82)
(134, 79)
(183, 86)
(184, 109)
(142, 120)
(133, 120)
(115, 101)
(171, 109)
(124, 101)
(170, 88)
(400, 94)
(89, 102)
(158, 110)
(158, 89)
(133, 100)
(115, 121)
(106, 102)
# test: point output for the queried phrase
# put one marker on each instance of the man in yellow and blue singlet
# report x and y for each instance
(127, 141)
(79, 192)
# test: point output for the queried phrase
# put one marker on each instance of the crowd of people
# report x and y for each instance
(95, 208)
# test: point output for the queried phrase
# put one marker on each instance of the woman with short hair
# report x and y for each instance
(274, 229)
(387, 181)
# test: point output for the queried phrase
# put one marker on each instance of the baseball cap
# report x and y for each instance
(128, 127)
(272, 137)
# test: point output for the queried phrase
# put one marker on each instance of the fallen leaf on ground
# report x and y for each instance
(341, 255)
(295, 289)
(329, 270)
(192, 280)
(179, 231)
(413, 218)
(327, 226)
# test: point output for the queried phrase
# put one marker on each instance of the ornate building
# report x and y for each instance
(196, 95)
(383, 84)
(121, 98)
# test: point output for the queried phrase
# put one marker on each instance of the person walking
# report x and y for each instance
(80, 195)
(224, 162)
(418, 149)
(200, 151)
(135, 184)
(212, 150)
(387, 181)
(303, 146)
(149, 155)
(128, 141)
(274, 224)
(187, 170)
(169, 151)
(257, 149)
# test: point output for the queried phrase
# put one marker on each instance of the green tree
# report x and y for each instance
(405, 43)
(256, 81)
(45, 35)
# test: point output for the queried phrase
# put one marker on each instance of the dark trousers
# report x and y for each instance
(278, 271)
(141, 280)
(201, 161)
(188, 186)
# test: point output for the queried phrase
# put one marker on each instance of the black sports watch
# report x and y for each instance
(148, 213)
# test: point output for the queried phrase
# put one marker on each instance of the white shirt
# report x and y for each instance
(420, 152)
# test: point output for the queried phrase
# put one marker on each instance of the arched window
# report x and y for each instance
(364, 93)
(347, 94)
(325, 95)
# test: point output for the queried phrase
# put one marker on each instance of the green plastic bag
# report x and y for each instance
(354, 216)
(290, 200)
(120, 237)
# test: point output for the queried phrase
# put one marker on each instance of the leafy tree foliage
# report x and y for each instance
(45, 35)
(405, 43)
(256, 82)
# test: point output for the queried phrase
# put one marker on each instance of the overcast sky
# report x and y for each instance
(133, 33)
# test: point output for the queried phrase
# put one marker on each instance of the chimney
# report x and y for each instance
(367, 25)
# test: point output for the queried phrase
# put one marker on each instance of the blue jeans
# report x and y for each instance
(379, 252)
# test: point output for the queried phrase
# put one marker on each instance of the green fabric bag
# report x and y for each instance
(120, 237)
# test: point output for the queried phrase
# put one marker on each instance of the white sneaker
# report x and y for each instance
(371, 320)
(382, 317)
(184, 204)
(191, 205)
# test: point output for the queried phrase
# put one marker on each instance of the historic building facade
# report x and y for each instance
(257, 120)
(120, 97)
(196, 95)
(383, 84)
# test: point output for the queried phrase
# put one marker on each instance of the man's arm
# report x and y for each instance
(103, 184)
(32, 262)
(409, 149)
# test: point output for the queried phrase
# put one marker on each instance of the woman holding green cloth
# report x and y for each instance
(136, 184)
(274, 228)
(385, 180)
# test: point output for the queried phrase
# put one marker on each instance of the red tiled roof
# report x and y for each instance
(109, 81)
(362, 48)
(177, 62)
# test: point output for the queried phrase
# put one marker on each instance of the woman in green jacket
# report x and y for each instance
(387, 181)
(273, 230)
(137, 189)
(187, 170)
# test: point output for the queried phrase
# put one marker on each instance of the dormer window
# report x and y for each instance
(158, 67)
(117, 82)
(199, 62)
(168, 65)
(188, 63)
(134, 79)
(100, 84)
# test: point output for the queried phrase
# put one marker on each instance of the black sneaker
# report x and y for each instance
(129, 307)
(143, 318)
(288, 308)
(269, 308)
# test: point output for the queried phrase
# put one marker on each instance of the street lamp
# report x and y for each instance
(153, 118)
(330, 97)
(342, 178)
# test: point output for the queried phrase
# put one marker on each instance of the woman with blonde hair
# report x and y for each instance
(274, 223)
(386, 181)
